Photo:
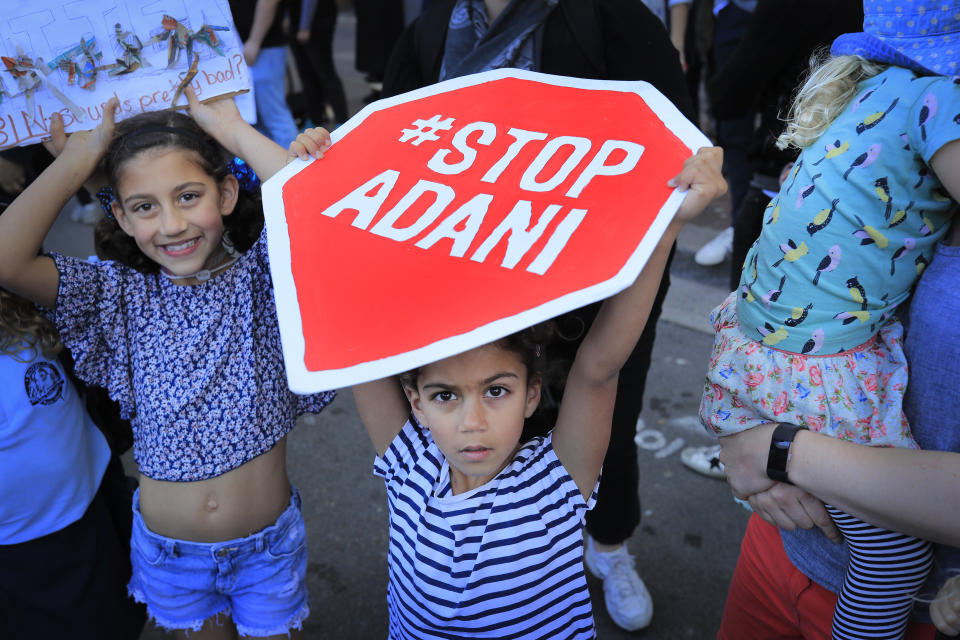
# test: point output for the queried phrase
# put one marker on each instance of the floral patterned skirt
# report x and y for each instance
(855, 395)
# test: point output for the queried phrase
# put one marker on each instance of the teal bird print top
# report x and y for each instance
(856, 220)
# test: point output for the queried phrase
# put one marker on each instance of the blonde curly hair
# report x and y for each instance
(830, 85)
(22, 326)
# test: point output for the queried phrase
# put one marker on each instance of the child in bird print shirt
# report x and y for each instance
(811, 338)
(855, 222)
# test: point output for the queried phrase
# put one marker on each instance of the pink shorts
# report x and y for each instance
(854, 395)
(770, 599)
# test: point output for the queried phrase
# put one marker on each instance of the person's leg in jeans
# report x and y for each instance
(274, 119)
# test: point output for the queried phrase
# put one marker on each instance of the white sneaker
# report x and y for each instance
(628, 601)
(717, 250)
(705, 460)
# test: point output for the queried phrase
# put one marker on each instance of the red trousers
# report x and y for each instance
(770, 599)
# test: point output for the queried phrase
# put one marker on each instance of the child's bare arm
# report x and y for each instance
(582, 432)
(221, 119)
(383, 408)
(27, 220)
(946, 164)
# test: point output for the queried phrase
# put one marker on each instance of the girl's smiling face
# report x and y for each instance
(173, 209)
(474, 405)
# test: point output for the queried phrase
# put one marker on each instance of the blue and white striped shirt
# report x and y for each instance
(504, 560)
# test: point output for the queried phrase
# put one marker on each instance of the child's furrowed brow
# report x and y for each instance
(491, 379)
(438, 385)
(497, 376)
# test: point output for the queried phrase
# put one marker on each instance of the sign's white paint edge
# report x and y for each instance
(302, 380)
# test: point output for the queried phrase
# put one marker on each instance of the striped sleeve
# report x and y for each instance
(397, 460)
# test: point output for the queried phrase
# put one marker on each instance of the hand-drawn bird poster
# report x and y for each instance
(72, 56)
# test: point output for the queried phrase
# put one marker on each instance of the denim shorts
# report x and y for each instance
(259, 580)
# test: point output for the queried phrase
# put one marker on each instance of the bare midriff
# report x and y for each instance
(233, 505)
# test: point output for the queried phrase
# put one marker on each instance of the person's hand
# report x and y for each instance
(303, 36)
(312, 142)
(218, 117)
(744, 458)
(945, 608)
(92, 144)
(790, 507)
(703, 181)
(13, 178)
(251, 52)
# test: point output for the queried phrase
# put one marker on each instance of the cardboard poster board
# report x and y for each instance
(454, 215)
(72, 56)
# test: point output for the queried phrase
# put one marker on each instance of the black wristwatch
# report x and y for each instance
(783, 437)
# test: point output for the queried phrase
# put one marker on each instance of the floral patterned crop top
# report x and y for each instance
(197, 369)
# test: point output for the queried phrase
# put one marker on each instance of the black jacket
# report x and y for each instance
(599, 39)
(768, 65)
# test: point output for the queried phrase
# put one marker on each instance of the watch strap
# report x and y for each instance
(779, 453)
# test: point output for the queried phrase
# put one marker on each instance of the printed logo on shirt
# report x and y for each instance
(43, 383)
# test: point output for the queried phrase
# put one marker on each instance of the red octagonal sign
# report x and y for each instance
(454, 215)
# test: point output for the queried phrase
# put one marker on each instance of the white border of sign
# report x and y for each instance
(301, 380)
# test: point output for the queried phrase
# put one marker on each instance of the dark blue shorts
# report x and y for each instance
(70, 583)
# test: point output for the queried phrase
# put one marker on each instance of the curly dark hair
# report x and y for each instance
(170, 129)
(22, 326)
(531, 344)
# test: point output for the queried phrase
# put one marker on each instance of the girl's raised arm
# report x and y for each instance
(25, 223)
(221, 119)
(582, 432)
(383, 407)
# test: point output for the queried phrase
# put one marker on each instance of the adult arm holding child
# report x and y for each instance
(917, 492)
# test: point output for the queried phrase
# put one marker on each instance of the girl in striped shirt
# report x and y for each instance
(485, 526)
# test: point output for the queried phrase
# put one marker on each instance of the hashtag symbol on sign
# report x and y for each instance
(426, 130)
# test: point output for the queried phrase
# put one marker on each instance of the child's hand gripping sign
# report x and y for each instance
(451, 216)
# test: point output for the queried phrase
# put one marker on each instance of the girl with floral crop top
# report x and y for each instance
(181, 330)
